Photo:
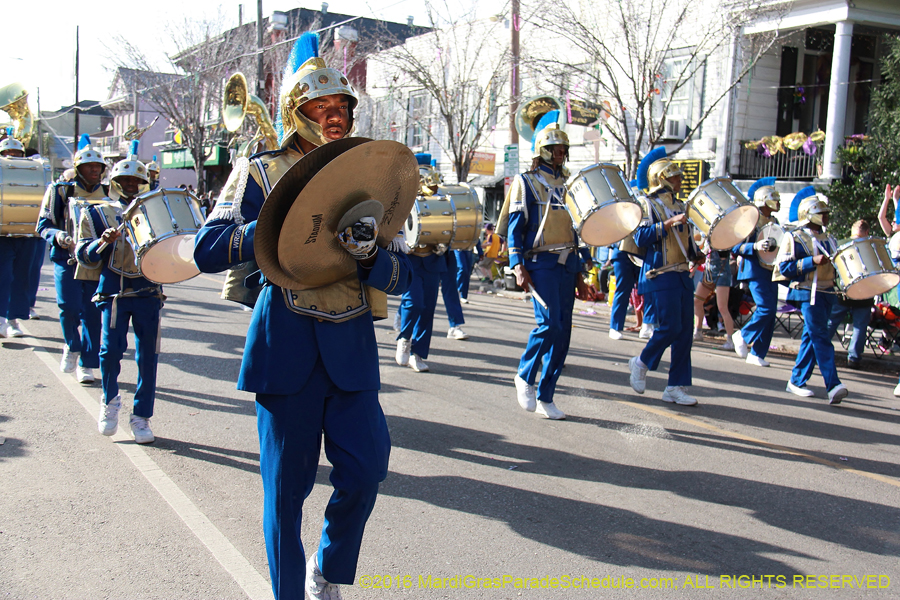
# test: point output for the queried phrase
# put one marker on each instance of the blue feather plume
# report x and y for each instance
(304, 48)
(548, 119)
(798, 197)
(433, 162)
(154, 158)
(423, 158)
(633, 183)
(84, 141)
(758, 184)
(9, 131)
(644, 166)
(134, 147)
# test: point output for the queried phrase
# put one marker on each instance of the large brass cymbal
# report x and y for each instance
(279, 201)
(309, 255)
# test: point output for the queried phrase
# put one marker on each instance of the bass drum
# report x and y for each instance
(161, 227)
(864, 268)
(452, 217)
(720, 211)
(602, 205)
(22, 185)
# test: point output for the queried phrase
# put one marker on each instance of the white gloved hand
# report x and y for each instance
(359, 239)
(63, 240)
(764, 245)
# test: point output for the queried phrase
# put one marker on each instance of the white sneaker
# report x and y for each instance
(33, 315)
(799, 390)
(10, 329)
(646, 332)
(455, 333)
(677, 395)
(615, 334)
(728, 345)
(397, 322)
(464, 300)
(69, 360)
(417, 364)
(108, 423)
(527, 394)
(140, 430)
(638, 375)
(721, 327)
(698, 335)
(317, 588)
(837, 393)
(84, 374)
(753, 359)
(403, 349)
(740, 346)
(549, 410)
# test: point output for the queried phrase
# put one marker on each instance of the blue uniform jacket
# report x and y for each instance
(750, 268)
(649, 235)
(799, 268)
(282, 346)
(53, 215)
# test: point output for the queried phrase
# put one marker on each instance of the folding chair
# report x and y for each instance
(790, 319)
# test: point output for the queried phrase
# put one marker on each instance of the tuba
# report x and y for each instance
(14, 101)
(531, 111)
(237, 103)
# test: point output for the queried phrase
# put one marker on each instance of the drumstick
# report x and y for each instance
(103, 245)
(537, 297)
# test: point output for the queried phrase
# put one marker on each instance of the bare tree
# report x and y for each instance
(445, 85)
(641, 58)
(188, 90)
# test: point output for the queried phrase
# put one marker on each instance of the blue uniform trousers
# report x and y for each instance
(649, 310)
(757, 332)
(417, 310)
(143, 313)
(16, 276)
(815, 344)
(450, 293)
(626, 273)
(465, 261)
(861, 316)
(77, 310)
(40, 250)
(548, 343)
(357, 445)
(675, 316)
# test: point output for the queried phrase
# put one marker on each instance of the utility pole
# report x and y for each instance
(514, 74)
(259, 49)
(75, 109)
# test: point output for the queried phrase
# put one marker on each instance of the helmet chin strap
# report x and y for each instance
(312, 132)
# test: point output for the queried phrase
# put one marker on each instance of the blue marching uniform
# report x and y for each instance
(666, 282)
(123, 297)
(553, 262)
(17, 275)
(73, 295)
(315, 375)
(418, 302)
(758, 330)
(626, 273)
(465, 262)
(795, 263)
(450, 293)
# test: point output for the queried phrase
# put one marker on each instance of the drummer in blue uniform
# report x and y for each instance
(752, 342)
(670, 248)
(544, 253)
(804, 260)
(314, 371)
(73, 294)
(124, 296)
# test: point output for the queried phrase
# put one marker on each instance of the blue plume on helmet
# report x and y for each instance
(305, 48)
(644, 166)
(154, 158)
(9, 131)
(758, 184)
(423, 158)
(798, 197)
(633, 183)
(548, 119)
(134, 148)
(84, 141)
(433, 162)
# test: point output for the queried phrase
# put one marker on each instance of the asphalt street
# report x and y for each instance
(752, 492)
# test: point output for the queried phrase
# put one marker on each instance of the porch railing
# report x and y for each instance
(794, 165)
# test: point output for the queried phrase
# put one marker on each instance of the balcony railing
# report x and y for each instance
(794, 165)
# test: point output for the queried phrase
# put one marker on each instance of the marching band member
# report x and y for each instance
(73, 295)
(465, 262)
(860, 311)
(543, 252)
(153, 173)
(664, 277)
(626, 273)
(804, 260)
(313, 377)
(752, 342)
(123, 296)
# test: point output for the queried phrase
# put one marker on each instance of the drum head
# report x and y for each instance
(774, 231)
(610, 223)
(734, 227)
(872, 285)
(170, 260)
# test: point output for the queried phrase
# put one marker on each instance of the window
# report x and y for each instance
(419, 119)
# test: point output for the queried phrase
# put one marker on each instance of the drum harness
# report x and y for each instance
(677, 267)
(553, 194)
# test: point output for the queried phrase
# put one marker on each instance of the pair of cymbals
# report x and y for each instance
(333, 186)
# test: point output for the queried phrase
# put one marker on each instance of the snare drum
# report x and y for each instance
(451, 217)
(602, 205)
(161, 227)
(864, 268)
(22, 185)
(719, 210)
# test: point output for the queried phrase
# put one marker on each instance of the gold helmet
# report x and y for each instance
(767, 195)
(811, 210)
(130, 167)
(86, 153)
(659, 173)
(153, 166)
(551, 135)
(11, 143)
(312, 79)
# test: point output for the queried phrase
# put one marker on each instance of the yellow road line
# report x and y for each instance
(746, 438)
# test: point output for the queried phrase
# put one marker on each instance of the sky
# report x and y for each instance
(42, 56)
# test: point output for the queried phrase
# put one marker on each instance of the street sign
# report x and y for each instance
(510, 160)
